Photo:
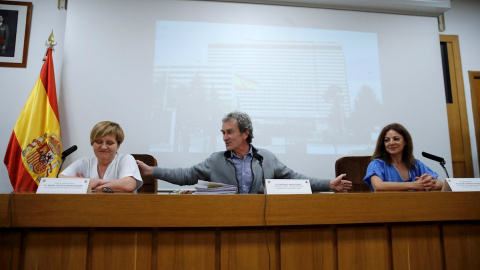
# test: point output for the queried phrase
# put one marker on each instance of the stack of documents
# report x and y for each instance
(205, 187)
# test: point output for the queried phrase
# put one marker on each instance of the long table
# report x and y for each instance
(394, 230)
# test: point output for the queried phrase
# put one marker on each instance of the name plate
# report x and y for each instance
(288, 186)
(463, 184)
(63, 186)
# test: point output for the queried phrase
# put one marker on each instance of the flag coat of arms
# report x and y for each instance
(35, 146)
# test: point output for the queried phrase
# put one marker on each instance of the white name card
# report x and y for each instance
(288, 186)
(463, 184)
(63, 185)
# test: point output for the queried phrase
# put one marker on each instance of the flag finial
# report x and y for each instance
(51, 41)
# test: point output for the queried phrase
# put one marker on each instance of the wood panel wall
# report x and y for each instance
(449, 242)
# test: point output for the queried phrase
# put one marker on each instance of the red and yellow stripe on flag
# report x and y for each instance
(35, 147)
(243, 83)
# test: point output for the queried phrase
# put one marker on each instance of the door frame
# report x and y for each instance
(458, 89)
(472, 76)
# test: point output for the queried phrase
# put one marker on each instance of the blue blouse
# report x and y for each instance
(388, 173)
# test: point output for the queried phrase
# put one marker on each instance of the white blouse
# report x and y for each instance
(122, 166)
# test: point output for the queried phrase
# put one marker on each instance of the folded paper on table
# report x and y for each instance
(462, 184)
(288, 186)
(64, 186)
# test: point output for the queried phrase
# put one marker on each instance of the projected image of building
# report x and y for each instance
(298, 79)
(187, 99)
(289, 87)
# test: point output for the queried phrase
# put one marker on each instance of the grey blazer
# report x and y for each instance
(219, 168)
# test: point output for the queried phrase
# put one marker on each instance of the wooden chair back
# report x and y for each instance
(149, 183)
(355, 167)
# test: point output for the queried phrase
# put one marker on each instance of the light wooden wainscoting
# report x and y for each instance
(411, 230)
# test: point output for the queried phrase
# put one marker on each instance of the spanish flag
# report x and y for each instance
(243, 83)
(35, 147)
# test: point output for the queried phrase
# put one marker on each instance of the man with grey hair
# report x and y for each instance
(241, 165)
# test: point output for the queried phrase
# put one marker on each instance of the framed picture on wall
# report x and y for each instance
(15, 20)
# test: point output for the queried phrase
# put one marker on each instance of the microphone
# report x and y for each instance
(65, 154)
(433, 157)
(437, 159)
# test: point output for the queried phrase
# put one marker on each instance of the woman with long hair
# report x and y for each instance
(393, 166)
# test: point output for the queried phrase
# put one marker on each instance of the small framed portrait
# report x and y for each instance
(15, 20)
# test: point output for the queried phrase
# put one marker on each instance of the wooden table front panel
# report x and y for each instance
(185, 249)
(363, 247)
(462, 245)
(313, 238)
(412, 246)
(417, 247)
(308, 248)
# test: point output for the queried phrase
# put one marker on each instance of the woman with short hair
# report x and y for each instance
(108, 169)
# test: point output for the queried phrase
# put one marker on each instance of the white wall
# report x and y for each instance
(463, 20)
(76, 114)
(111, 77)
(17, 83)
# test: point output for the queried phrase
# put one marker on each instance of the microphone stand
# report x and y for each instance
(442, 163)
(263, 176)
(260, 161)
(65, 154)
(61, 164)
